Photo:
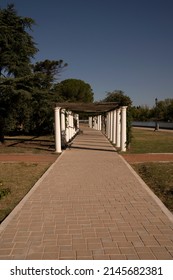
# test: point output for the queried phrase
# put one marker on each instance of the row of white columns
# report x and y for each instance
(115, 126)
(64, 124)
(96, 122)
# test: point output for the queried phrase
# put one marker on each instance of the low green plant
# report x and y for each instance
(4, 192)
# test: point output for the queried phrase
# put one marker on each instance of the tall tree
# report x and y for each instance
(75, 90)
(16, 44)
(118, 96)
(51, 69)
(16, 50)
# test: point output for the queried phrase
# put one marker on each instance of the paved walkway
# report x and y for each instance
(88, 205)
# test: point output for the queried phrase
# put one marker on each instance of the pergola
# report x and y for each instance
(109, 114)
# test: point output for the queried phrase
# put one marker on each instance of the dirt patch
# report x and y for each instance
(28, 157)
(137, 158)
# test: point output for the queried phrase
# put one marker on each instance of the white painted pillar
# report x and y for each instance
(70, 125)
(95, 122)
(77, 116)
(107, 127)
(111, 125)
(100, 122)
(67, 132)
(90, 122)
(114, 127)
(123, 128)
(57, 130)
(62, 119)
(118, 128)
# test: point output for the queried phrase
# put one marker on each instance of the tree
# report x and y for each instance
(17, 45)
(16, 50)
(74, 90)
(26, 91)
(118, 96)
(51, 69)
(161, 111)
(141, 113)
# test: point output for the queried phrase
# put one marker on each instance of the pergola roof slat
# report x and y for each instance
(91, 108)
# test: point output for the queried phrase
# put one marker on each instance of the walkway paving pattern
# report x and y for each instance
(89, 205)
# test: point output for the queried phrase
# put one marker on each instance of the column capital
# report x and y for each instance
(57, 108)
(124, 107)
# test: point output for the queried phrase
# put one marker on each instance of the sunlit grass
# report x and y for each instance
(16, 179)
(159, 177)
(150, 141)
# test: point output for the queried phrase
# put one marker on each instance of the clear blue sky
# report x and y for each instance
(110, 44)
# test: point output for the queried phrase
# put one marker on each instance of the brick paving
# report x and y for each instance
(90, 205)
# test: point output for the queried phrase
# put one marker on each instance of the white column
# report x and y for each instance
(77, 116)
(123, 128)
(67, 132)
(114, 127)
(57, 130)
(118, 128)
(107, 127)
(100, 122)
(95, 124)
(90, 122)
(72, 123)
(62, 119)
(111, 125)
(70, 126)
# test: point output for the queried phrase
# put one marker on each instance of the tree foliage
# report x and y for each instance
(28, 91)
(16, 44)
(118, 96)
(75, 90)
(162, 111)
(51, 69)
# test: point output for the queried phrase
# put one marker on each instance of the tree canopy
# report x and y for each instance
(162, 111)
(75, 90)
(28, 92)
(17, 45)
(118, 96)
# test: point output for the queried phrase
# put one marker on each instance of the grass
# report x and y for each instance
(150, 141)
(14, 187)
(159, 177)
(28, 144)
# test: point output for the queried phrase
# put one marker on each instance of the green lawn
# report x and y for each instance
(150, 141)
(14, 187)
(159, 177)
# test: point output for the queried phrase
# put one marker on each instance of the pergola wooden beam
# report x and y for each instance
(90, 108)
